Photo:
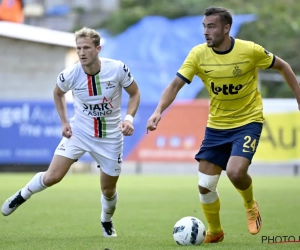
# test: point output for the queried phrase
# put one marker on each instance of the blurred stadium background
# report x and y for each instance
(152, 38)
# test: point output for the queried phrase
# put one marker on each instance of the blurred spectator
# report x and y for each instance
(12, 11)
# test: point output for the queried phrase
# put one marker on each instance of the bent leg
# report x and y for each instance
(246, 139)
(68, 151)
(58, 168)
(56, 171)
(237, 172)
(237, 169)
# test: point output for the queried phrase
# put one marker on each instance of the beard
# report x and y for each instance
(215, 43)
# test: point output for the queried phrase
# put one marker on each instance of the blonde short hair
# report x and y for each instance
(90, 33)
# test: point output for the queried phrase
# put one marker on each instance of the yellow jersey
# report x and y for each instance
(231, 78)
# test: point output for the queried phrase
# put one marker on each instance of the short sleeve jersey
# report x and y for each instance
(231, 78)
(97, 98)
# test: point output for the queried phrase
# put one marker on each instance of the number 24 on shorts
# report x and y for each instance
(249, 144)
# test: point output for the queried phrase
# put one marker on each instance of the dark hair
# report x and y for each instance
(223, 13)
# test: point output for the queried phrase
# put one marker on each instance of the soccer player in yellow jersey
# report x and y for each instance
(228, 68)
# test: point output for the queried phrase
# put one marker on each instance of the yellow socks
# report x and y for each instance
(212, 214)
(212, 210)
(247, 196)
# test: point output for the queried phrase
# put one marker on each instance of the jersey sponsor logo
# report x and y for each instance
(100, 109)
(110, 85)
(78, 89)
(226, 89)
(207, 71)
(61, 147)
(61, 77)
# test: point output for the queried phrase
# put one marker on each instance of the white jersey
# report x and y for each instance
(97, 98)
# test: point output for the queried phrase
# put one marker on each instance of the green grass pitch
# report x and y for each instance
(66, 216)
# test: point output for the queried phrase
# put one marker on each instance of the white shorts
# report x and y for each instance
(107, 152)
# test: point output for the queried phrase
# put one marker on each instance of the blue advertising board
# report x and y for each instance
(31, 130)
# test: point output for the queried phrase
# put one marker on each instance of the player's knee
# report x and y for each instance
(203, 190)
(49, 179)
(108, 192)
(209, 197)
(235, 175)
(207, 183)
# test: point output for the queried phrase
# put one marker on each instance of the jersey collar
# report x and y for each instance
(227, 51)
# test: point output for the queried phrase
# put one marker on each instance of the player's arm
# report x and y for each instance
(289, 76)
(61, 107)
(169, 94)
(264, 59)
(184, 75)
(60, 104)
(133, 104)
(134, 98)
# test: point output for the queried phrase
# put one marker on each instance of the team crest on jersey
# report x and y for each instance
(237, 71)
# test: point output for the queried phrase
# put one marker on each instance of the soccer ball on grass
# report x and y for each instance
(189, 231)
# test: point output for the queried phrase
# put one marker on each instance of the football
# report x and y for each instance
(189, 231)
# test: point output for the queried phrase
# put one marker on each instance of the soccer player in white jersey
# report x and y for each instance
(96, 84)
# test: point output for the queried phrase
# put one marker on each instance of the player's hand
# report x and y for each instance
(66, 130)
(153, 121)
(126, 128)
